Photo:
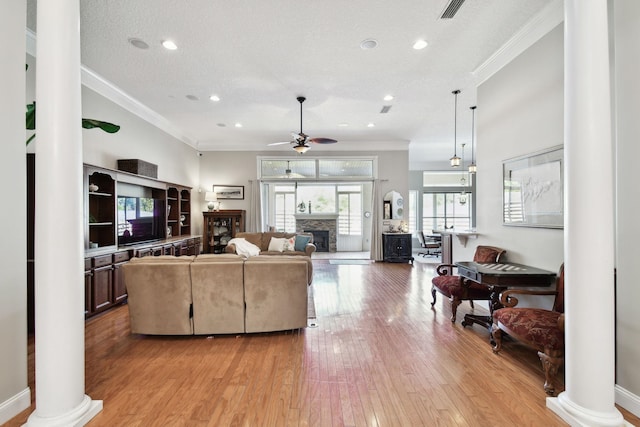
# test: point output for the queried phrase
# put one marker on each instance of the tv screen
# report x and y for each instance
(140, 216)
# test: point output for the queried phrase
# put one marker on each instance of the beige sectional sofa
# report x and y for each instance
(216, 294)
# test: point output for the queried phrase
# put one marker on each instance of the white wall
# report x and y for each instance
(14, 392)
(520, 111)
(627, 126)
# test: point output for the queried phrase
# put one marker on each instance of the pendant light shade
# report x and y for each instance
(472, 165)
(455, 160)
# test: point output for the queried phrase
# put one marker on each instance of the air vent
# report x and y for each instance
(385, 109)
(451, 9)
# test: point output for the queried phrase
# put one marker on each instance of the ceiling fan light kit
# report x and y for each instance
(301, 139)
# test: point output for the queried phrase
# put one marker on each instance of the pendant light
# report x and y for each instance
(455, 160)
(472, 165)
(463, 183)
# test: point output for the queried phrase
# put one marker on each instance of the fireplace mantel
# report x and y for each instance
(315, 216)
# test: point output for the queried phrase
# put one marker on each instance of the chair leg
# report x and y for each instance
(496, 333)
(471, 303)
(455, 302)
(433, 294)
(550, 366)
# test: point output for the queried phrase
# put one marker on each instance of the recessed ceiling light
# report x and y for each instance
(169, 44)
(368, 44)
(139, 43)
(371, 125)
(238, 125)
(192, 97)
(420, 44)
(343, 125)
(214, 98)
(388, 97)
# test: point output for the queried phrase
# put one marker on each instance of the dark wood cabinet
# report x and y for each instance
(119, 289)
(396, 247)
(220, 227)
(100, 208)
(101, 283)
(88, 274)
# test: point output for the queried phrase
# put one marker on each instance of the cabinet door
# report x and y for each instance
(101, 288)
(119, 290)
(88, 309)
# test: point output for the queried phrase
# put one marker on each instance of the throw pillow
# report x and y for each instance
(289, 244)
(276, 244)
(301, 242)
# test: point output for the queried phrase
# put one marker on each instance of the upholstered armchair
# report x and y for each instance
(538, 328)
(458, 289)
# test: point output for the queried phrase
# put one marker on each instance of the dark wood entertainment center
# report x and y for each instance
(103, 284)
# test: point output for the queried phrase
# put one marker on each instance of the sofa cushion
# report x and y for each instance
(301, 242)
(289, 244)
(276, 244)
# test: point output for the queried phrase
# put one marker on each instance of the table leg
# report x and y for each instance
(486, 321)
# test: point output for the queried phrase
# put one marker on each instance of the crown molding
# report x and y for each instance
(540, 25)
(97, 83)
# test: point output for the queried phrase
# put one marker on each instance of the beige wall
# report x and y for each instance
(520, 111)
(627, 128)
(14, 392)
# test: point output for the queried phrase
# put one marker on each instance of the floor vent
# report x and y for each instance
(385, 109)
(451, 9)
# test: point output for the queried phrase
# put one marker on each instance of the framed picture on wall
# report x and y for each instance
(533, 193)
(229, 191)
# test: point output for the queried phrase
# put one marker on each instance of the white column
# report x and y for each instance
(588, 399)
(59, 253)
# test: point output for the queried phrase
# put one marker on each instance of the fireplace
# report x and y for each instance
(323, 223)
(320, 239)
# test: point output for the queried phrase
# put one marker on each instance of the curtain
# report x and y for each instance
(254, 223)
(376, 229)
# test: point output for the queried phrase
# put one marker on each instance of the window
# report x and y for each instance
(285, 208)
(445, 210)
(413, 211)
(350, 210)
(319, 198)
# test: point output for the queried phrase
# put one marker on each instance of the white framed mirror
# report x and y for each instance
(393, 205)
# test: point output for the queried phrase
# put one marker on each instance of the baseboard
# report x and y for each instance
(14, 405)
(628, 400)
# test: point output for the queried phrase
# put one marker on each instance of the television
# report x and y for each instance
(141, 214)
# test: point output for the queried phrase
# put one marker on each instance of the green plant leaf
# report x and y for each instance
(31, 116)
(105, 126)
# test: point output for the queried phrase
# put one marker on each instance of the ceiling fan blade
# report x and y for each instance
(323, 140)
(280, 143)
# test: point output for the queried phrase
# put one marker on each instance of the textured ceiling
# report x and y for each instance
(258, 56)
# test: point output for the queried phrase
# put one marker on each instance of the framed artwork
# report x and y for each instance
(533, 193)
(229, 191)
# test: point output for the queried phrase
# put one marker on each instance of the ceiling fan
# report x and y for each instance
(301, 140)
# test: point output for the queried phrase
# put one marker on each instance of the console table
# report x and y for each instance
(498, 277)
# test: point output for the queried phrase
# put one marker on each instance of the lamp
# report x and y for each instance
(472, 165)
(301, 147)
(463, 182)
(212, 198)
(455, 160)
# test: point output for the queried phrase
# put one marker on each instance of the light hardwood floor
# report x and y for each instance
(380, 356)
